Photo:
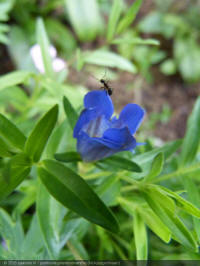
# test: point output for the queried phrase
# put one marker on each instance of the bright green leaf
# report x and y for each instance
(156, 167)
(87, 23)
(136, 41)
(140, 236)
(129, 16)
(163, 207)
(14, 78)
(44, 44)
(109, 59)
(113, 18)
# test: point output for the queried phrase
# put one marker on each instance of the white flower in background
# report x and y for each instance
(58, 63)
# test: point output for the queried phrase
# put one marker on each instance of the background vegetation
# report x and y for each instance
(150, 53)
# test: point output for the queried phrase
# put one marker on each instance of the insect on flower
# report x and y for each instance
(106, 87)
(99, 134)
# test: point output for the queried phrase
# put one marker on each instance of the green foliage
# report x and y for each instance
(128, 206)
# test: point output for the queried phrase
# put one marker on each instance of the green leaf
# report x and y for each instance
(38, 138)
(148, 215)
(13, 173)
(14, 78)
(168, 149)
(194, 197)
(182, 203)
(70, 112)
(163, 207)
(44, 44)
(109, 59)
(85, 18)
(140, 236)
(50, 214)
(55, 229)
(74, 193)
(68, 157)
(156, 167)
(113, 18)
(32, 243)
(10, 134)
(136, 41)
(191, 140)
(11, 232)
(121, 163)
(4, 149)
(129, 16)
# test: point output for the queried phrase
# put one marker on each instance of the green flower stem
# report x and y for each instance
(179, 172)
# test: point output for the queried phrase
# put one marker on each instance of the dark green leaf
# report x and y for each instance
(68, 157)
(38, 138)
(192, 138)
(13, 173)
(74, 193)
(4, 149)
(129, 16)
(11, 134)
(70, 112)
(121, 163)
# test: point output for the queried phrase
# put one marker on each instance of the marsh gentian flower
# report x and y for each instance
(100, 135)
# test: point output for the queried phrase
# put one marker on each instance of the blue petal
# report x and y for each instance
(113, 141)
(85, 117)
(131, 116)
(100, 101)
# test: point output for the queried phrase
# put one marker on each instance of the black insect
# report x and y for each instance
(106, 87)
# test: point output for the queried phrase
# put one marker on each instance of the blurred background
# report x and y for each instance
(147, 51)
(162, 73)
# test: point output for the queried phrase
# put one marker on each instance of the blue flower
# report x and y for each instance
(100, 135)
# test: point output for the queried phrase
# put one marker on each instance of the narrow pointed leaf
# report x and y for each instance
(192, 138)
(13, 173)
(70, 112)
(140, 236)
(43, 41)
(14, 78)
(182, 203)
(159, 204)
(11, 134)
(113, 18)
(156, 167)
(38, 138)
(129, 16)
(68, 157)
(121, 163)
(74, 193)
